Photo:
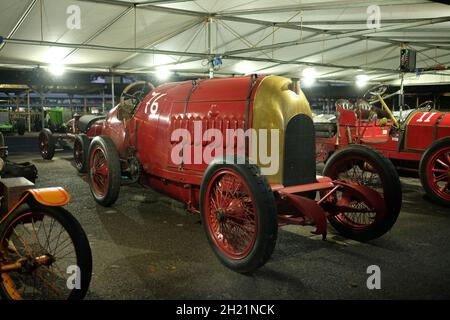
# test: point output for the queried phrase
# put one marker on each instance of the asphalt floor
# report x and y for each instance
(147, 247)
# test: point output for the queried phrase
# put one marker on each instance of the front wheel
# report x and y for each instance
(434, 171)
(52, 250)
(104, 171)
(239, 215)
(47, 144)
(80, 152)
(364, 166)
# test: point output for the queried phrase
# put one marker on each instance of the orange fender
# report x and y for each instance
(53, 197)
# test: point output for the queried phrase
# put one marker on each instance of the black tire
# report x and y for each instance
(75, 233)
(110, 192)
(3, 150)
(389, 182)
(441, 197)
(267, 229)
(21, 127)
(80, 152)
(47, 144)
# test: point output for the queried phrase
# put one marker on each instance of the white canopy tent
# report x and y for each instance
(252, 36)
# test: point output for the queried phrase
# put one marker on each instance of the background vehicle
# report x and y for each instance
(63, 136)
(7, 126)
(43, 248)
(413, 139)
(240, 207)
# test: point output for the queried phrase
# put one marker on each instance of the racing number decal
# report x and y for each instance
(153, 104)
(425, 114)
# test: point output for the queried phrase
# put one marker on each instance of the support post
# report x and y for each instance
(29, 111)
(402, 95)
(210, 49)
(85, 110)
(103, 101)
(112, 91)
(42, 110)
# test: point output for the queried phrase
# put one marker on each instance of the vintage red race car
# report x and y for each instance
(172, 138)
(416, 140)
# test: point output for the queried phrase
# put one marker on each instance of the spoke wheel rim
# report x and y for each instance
(99, 171)
(356, 170)
(29, 236)
(78, 154)
(230, 214)
(43, 144)
(438, 173)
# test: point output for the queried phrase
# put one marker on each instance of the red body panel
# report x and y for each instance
(426, 127)
(163, 111)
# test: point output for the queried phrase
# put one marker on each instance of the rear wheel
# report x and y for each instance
(80, 152)
(47, 144)
(364, 166)
(21, 128)
(434, 171)
(239, 215)
(104, 171)
(54, 252)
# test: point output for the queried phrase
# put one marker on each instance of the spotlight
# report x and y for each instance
(163, 73)
(57, 69)
(309, 77)
(361, 80)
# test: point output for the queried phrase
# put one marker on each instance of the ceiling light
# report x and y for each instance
(309, 77)
(163, 73)
(361, 80)
(57, 69)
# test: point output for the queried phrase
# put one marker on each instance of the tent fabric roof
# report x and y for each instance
(253, 36)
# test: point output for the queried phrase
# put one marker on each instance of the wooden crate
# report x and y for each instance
(11, 189)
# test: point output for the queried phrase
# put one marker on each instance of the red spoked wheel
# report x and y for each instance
(99, 171)
(239, 215)
(438, 173)
(230, 214)
(357, 218)
(46, 144)
(435, 171)
(104, 171)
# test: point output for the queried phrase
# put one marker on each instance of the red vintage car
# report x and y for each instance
(416, 140)
(241, 199)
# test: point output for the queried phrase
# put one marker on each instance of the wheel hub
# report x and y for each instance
(220, 215)
(30, 264)
(135, 169)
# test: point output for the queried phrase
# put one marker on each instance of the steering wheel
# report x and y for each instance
(428, 105)
(136, 92)
(373, 93)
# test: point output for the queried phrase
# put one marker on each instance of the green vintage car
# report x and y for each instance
(7, 127)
